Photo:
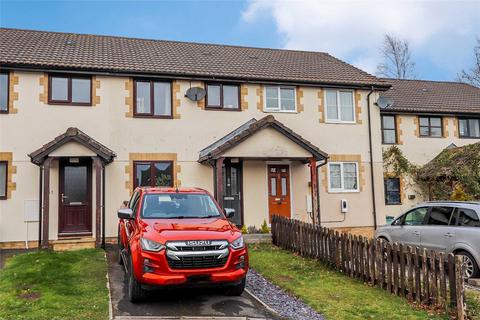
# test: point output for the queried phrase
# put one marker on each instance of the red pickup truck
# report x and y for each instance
(179, 237)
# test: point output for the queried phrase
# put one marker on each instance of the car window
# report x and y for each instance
(440, 216)
(133, 199)
(468, 218)
(178, 205)
(415, 217)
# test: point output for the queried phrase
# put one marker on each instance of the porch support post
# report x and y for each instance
(219, 182)
(46, 201)
(98, 200)
(314, 187)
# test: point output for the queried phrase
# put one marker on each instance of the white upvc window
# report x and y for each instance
(343, 177)
(280, 99)
(340, 106)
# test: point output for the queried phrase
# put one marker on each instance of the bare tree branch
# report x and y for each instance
(397, 59)
(472, 75)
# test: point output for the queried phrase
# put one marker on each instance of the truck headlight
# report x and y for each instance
(150, 245)
(237, 243)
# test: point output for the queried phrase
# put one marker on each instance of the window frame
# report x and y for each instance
(430, 127)
(279, 99)
(5, 197)
(428, 215)
(152, 100)
(342, 189)
(468, 127)
(401, 219)
(394, 128)
(6, 111)
(152, 164)
(69, 101)
(221, 107)
(399, 191)
(339, 119)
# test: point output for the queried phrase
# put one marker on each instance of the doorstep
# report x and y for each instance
(70, 243)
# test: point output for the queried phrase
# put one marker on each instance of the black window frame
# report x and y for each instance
(69, 101)
(221, 106)
(468, 127)
(152, 165)
(386, 191)
(4, 197)
(6, 111)
(429, 126)
(389, 129)
(152, 99)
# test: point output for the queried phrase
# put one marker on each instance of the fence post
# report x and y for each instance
(460, 287)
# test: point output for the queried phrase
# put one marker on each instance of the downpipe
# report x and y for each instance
(372, 177)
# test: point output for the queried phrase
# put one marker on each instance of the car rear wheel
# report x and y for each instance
(469, 264)
(135, 291)
(237, 289)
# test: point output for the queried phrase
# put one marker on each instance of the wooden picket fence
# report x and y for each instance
(426, 277)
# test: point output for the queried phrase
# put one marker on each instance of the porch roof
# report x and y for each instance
(72, 135)
(251, 127)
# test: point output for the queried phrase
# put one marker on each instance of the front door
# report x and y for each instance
(232, 197)
(278, 190)
(75, 198)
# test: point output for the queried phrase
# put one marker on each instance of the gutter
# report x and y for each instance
(372, 179)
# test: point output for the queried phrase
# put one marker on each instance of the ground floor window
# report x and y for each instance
(392, 191)
(343, 176)
(153, 173)
(3, 179)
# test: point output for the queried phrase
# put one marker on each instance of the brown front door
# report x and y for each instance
(75, 197)
(278, 191)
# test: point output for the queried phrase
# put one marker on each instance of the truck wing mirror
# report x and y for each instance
(125, 213)
(229, 212)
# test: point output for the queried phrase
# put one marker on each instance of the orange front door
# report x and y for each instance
(278, 191)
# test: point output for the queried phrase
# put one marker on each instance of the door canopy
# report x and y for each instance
(266, 138)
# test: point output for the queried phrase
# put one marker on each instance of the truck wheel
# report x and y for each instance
(135, 291)
(236, 290)
(120, 248)
(471, 267)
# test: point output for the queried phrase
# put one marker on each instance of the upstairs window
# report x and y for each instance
(153, 99)
(469, 128)
(3, 92)
(343, 176)
(392, 191)
(340, 106)
(389, 130)
(280, 99)
(3, 179)
(223, 96)
(430, 127)
(72, 90)
(153, 173)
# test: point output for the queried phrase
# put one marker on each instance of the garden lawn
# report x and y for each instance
(55, 285)
(329, 292)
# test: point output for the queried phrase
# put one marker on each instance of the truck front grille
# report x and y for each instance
(197, 254)
(197, 262)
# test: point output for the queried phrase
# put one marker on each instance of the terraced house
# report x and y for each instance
(85, 119)
(424, 118)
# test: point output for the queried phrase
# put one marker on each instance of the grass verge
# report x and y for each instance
(329, 292)
(55, 285)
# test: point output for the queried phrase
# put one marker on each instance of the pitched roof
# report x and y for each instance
(421, 96)
(216, 149)
(72, 134)
(55, 50)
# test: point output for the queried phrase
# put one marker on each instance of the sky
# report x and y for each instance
(441, 33)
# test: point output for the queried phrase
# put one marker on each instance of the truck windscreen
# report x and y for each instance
(178, 206)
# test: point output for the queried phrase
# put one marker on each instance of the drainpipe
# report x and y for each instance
(103, 207)
(319, 217)
(40, 205)
(374, 205)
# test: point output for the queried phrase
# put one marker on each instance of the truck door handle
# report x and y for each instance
(449, 235)
(417, 233)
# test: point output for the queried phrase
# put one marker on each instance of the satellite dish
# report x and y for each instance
(195, 93)
(384, 102)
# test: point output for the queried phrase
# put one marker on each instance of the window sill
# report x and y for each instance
(151, 117)
(474, 138)
(442, 137)
(222, 109)
(393, 204)
(389, 144)
(340, 122)
(280, 111)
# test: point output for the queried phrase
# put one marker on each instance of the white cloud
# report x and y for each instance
(353, 30)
